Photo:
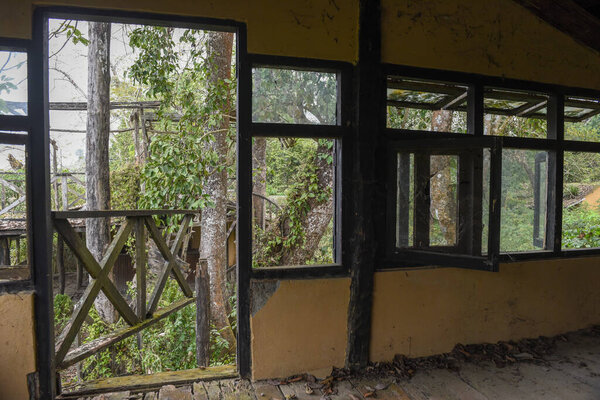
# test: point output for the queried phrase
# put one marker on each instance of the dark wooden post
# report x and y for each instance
(18, 246)
(202, 314)
(4, 251)
(140, 273)
(366, 207)
(60, 263)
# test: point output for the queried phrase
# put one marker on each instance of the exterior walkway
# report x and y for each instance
(571, 370)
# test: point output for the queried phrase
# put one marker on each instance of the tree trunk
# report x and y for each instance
(443, 205)
(313, 224)
(259, 181)
(97, 230)
(214, 219)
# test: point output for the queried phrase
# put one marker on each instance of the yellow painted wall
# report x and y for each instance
(17, 349)
(491, 37)
(301, 328)
(425, 312)
(309, 28)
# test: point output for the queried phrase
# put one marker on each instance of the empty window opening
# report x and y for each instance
(524, 200)
(293, 201)
(514, 113)
(414, 104)
(142, 161)
(581, 201)
(291, 96)
(13, 83)
(582, 119)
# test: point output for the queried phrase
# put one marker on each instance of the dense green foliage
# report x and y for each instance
(173, 68)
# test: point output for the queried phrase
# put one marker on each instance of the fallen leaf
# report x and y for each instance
(381, 386)
(296, 379)
(369, 388)
(369, 394)
(308, 389)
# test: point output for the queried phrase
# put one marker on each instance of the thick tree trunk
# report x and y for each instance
(314, 223)
(214, 219)
(259, 181)
(443, 206)
(97, 230)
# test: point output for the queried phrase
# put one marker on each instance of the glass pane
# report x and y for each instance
(294, 97)
(443, 200)
(292, 201)
(13, 214)
(516, 114)
(426, 105)
(518, 199)
(13, 83)
(581, 201)
(582, 119)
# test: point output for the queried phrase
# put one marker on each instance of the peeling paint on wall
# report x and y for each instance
(493, 37)
(260, 293)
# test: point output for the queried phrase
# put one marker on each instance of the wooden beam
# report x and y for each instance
(94, 346)
(367, 210)
(568, 17)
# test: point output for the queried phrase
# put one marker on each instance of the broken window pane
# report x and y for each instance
(426, 105)
(294, 97)
(13, 214)
(13, 83)
(293, 201)
(518, 199)
(514, 113)
(581, 201)
(582, 119)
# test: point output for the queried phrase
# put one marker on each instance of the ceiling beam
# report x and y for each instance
(568, 17)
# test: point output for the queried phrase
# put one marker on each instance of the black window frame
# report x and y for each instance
(20, 123)
(554, 144)
(340, 131)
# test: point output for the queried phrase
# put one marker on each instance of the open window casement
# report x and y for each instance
(443, 209)
(540, 202)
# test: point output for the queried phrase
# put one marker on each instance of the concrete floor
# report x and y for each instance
(572, 372)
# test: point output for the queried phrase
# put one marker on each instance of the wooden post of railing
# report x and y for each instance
(60, 263)
(202, 314)
(79, 273)
(18, 245)
(5, 251)
(3, 200)
(140, 273)
(65, 190)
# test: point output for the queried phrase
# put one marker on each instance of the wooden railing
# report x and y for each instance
(145, 312)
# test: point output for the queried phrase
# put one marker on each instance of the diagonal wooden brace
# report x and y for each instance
(100, 273)
(171, 264)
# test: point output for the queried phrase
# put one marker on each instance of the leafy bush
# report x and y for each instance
(63, 308)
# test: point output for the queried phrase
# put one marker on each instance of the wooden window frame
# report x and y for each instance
(554, 144)
(340, 132)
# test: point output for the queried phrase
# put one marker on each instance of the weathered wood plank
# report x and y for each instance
(213, 390)
(345, 391)
(266, 391)
(99, 344)
(116, 213)
(148, 382)
(17, 272)
(297, 390)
